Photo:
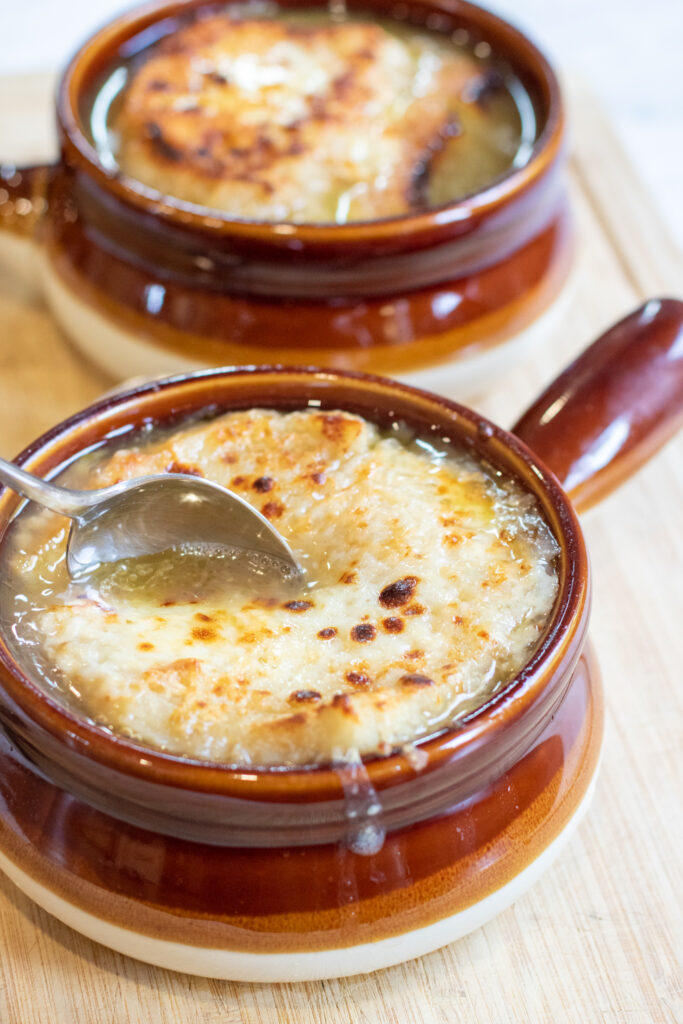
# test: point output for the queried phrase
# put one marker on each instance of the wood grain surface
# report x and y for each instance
(599, 938)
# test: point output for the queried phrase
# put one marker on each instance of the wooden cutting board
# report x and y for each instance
(596, 940)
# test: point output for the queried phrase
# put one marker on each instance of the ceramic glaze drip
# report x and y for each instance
(415, 756)
(365, 833)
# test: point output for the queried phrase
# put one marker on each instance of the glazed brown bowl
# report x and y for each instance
(262, 874)
(146, 284)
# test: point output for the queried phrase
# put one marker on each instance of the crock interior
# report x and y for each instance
(140, 28)
(381, 401)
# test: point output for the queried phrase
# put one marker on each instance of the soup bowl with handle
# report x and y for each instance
(264, 874)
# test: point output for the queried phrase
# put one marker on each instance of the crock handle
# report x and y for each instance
(23, 197)
(619, 402)
(23, 205)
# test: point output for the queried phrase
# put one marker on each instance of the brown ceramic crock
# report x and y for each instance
(262, 874)
(147, 285)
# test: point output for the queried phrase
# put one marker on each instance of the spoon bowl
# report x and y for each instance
(153, 514)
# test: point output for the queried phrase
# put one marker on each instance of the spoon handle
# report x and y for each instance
(57, 499)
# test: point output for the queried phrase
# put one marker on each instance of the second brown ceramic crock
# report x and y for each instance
(146, 284)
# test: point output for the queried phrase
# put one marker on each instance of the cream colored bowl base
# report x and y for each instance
(123, 354)
(274, 967)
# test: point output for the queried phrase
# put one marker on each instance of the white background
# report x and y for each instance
(630, 51)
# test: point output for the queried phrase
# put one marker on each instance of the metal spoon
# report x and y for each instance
(152, 514)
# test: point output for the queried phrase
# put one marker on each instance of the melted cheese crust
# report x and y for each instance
(272, 119)
(435, 579)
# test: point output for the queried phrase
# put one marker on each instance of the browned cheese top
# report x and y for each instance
(299, 120)
(431, 578)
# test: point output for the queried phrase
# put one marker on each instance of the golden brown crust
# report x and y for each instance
(400, 630)
(276, 119)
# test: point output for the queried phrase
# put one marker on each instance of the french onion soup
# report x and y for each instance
(310, 116)
(430, 578)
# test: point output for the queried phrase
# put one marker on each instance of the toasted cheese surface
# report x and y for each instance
(282, 118)
(431, 579)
